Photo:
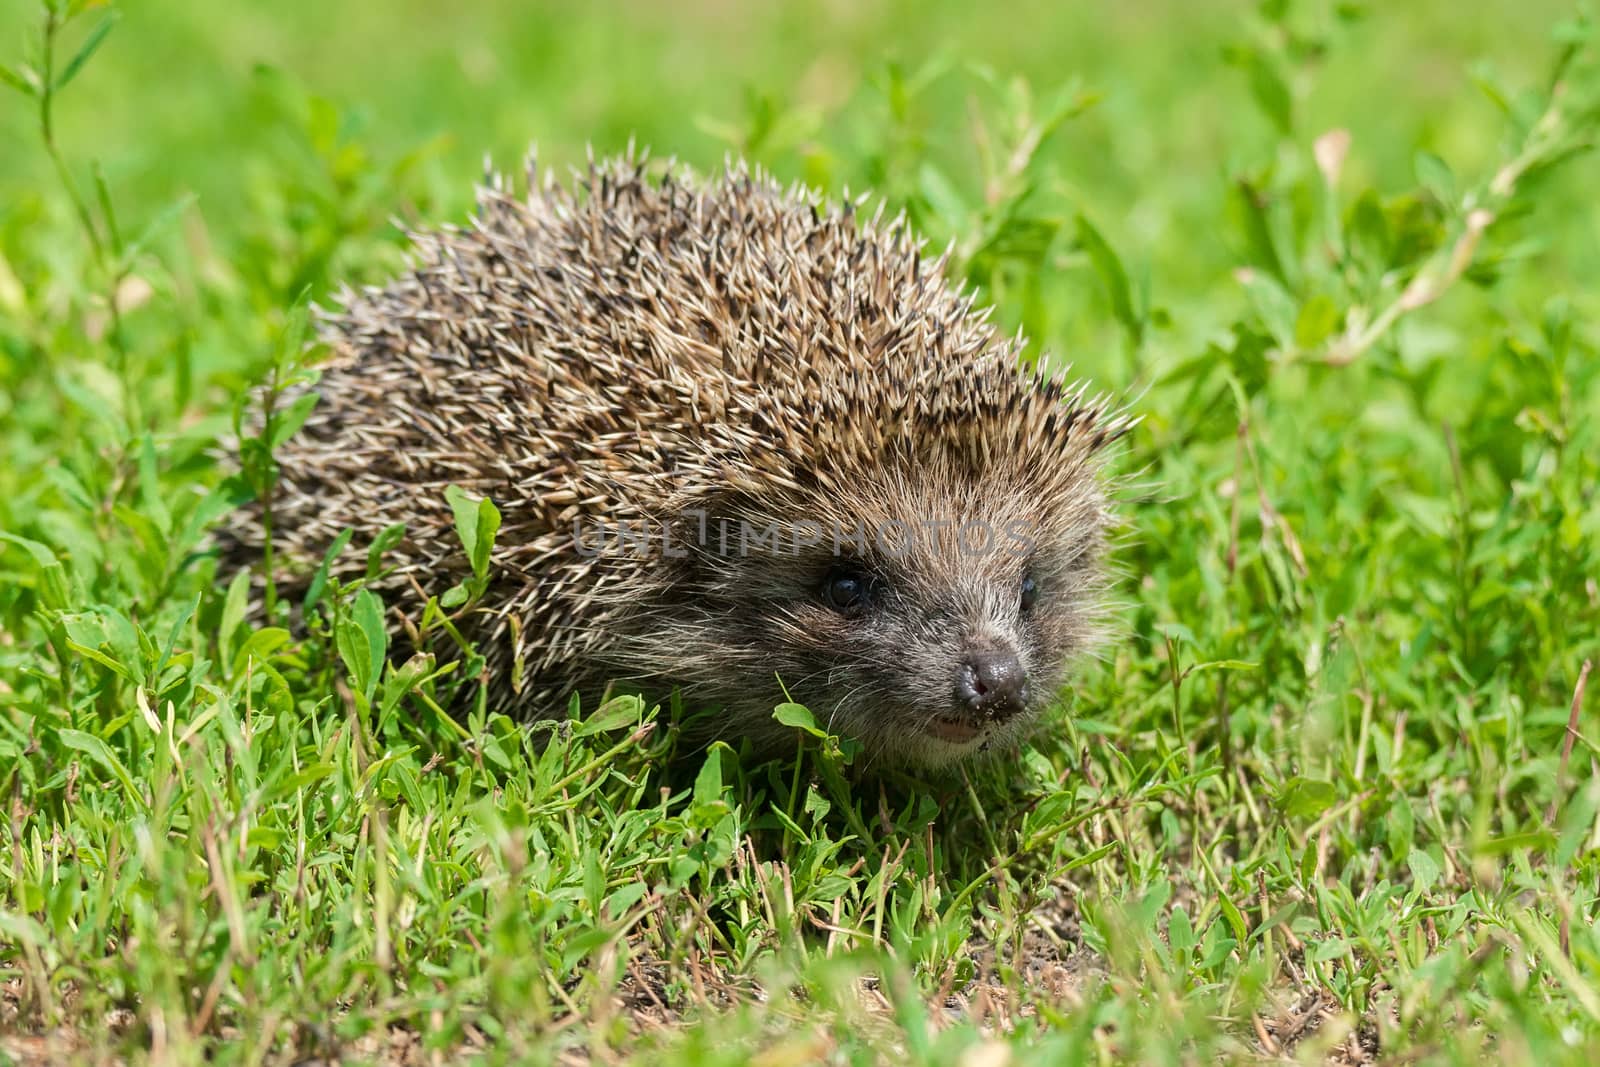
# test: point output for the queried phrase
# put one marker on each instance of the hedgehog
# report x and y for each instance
(749, 447)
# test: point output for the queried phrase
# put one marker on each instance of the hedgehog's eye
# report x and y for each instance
(844, 589)
(1030, 592)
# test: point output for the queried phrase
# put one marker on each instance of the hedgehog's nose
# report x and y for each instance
(991, 683)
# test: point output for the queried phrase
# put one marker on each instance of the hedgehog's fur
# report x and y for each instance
(648, 348)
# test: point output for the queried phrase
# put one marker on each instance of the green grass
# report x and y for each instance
(1319, 802)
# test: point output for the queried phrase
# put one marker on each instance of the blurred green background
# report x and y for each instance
(222, 99)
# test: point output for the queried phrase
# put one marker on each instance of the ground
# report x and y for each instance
(1328, 795)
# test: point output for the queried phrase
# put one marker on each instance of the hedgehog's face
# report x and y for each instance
(928, 615)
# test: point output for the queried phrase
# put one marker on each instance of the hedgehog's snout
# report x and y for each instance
(991, 683)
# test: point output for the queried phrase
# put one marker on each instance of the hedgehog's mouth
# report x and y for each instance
(953, 730)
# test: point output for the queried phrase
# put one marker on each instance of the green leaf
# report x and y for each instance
(1180, 934)
(1367, 228)
(397, 683)
(594, 882)
(614, 714)
(477, 522)
(158, 222)
(368, 618)
(234, 605)
(178, 625)
(816, 805)
(99, 752)
(1318, 318)
(307, 775)
(624, 897)
(150, 487)
(356, 652)
(581, 946)
(798, 716)
(87, 49)
(296, 325)
(1271, 92)
(1176, 631)
(1514, 842)
(708, 783)
(1223, 665)
(465, 510)
(942, 196)
(229, 495)
(1308, 862)
(53, 588)
(1327, 949)
(1216, 946)
(93, 652)
(258, 646)
(1230, 912)
(1434, 174)
(1109, 267)
(1253, 208)
(287, 423)
(319, 580)
(24, 80)
(488, 527)
(70, 486)
(102, 193)
(1273, 305)
(25, 930)
(1577, 824)
(1306, 798)
(1482, 75)
(1425, 871)
(387, 539)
